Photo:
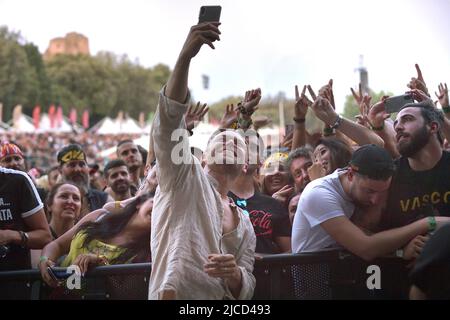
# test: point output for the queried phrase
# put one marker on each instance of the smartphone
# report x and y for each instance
(58, 273)
(209, 14)
(394, 104)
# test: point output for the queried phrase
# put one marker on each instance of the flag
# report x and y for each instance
(51, 116)
(17, 114)
(59, 117)
(142, 120)
(85, 119)
(73, 116)
(36, 116)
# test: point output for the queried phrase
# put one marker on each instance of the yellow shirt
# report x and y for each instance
(77, 247)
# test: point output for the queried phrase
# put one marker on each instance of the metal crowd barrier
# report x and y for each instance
(323, 275)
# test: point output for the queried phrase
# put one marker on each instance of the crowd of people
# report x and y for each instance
(375, 186)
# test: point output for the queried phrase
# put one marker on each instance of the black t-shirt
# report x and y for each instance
(431, 273)
(417, 194)
(19, 199)
(269, 218)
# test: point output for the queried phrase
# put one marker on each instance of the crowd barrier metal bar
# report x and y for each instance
(345, 277)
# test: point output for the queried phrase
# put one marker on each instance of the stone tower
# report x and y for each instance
(73, 43)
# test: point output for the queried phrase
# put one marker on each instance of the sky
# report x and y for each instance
(268, 44)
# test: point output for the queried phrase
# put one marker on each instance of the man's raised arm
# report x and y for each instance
(170, 146)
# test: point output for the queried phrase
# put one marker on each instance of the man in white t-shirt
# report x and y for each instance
(326, 205)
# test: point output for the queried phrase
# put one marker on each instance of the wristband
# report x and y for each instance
(431, 223)
(446, 109)
(43, 259)
(299, 120)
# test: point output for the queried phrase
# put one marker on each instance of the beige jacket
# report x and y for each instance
(187, 220)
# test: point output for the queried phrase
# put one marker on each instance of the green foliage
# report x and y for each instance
(17, 78)
(105, 83)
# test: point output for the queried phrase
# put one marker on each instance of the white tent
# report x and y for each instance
(105, 126)
(130, 126)
(110, 126)
(44, 125)
(24, 124)
(3, 127)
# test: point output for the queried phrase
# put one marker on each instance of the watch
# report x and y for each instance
(337, 123)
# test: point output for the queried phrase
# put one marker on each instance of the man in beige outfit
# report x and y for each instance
(202, 244)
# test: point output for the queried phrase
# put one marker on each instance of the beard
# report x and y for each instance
(120, 187)
(416, 142)
(81, 180)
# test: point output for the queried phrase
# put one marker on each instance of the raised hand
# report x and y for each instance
(364, 107)
(229, 117)
(358, 97)
(301, 103)
(443, 95)
(327, 92)
(324, 110)
(419, 82)
(311, 92)
(377, 113)
(200, 34)
(418, 95)
(194, 116)
(251, 100)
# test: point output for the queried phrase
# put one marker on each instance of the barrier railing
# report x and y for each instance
(323, 275)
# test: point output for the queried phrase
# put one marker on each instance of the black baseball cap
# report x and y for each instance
(372, 161)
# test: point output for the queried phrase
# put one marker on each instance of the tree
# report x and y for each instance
(17, 77)
(351, 109)
(41, 91)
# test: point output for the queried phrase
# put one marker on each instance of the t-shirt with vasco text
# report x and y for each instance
(417, 194)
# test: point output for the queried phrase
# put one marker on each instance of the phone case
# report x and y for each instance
(209, 13)
(58, 273)
(394, 104)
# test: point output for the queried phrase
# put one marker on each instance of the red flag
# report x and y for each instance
(73, 116)
(85, 120)
(59, 117)
(36, 116)
(51, 115)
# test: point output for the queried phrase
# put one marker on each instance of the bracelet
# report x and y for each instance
(299, 120)
(431, 223)
(244, 124)
(42, 259)
(24, 237)
(446, 109)
(337, 123)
